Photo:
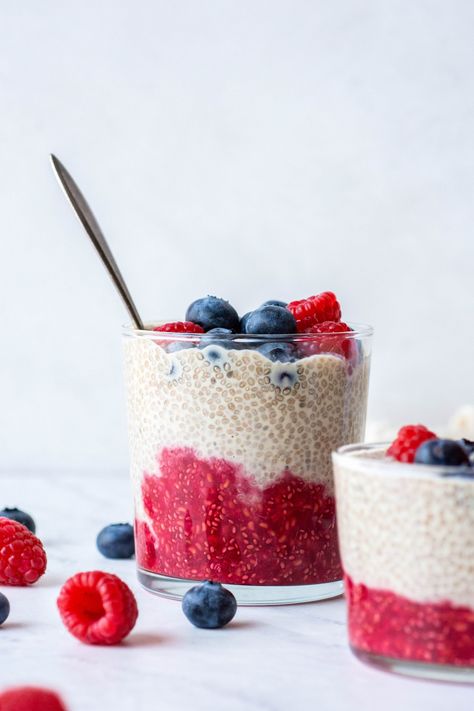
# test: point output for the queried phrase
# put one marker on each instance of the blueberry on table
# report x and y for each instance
(445, 452)
(21, 516)
(4, 608)
(212, 312)
(271, 319)
(209, 605)
(281, 352)
(116, 541)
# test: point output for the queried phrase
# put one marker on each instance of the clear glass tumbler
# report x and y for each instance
(230, 443)
(406, 535)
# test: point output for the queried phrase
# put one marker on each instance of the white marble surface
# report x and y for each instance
(267, 660)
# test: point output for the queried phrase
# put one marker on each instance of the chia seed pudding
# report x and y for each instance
(230, 440)
(407, 548)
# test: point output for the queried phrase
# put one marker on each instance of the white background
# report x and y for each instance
(250, 149)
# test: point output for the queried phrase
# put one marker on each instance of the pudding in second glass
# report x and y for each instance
(406, 535)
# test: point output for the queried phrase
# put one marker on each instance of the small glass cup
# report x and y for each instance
(230, 441)
(406, 535)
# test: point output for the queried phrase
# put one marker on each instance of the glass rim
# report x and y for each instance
(392, 467)
(359, 330)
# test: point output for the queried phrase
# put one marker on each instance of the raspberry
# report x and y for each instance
(22, 556)
(328, 343)
(179, 327)
(30, 698)
(315, 309)
(97, 607)
(408, 440)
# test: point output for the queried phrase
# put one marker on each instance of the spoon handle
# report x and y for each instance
(91, 226)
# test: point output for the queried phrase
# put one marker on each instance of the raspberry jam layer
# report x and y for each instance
(210, 521)
(384, 623)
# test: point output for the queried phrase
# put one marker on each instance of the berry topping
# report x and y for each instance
(4, 608)
(282, 352)
(179, 327)
(30, 698)
(22, 556)
(97, 607)
(209, 605)
(408, 440)
(212, 312)
(270, 319)
(212, 338)
(468, 446)
(328, 343)
(275, 302)
(21, 516)
(116, 541)
(243, 322)
(442, 451)
(315, 309)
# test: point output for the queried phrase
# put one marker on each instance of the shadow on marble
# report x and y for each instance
(13, 626)
(244, 625)
(146, 639)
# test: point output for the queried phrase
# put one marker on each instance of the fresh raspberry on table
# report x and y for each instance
(30, 698)
(408, 439)
(22, 556)
(179, 327)
(315, 309)
(327, 343)
(97, 607)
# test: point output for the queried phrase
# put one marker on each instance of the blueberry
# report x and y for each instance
(446, 452)
(275, 302)
(21, 516)
(243, 322)
(468, 446)
(175, 346)
(211, 312)
(116, 541)
(4, 608)
(282, 352)
(270, 319)
(284, 375)
(209, 605)
(212, 338)
(215, 354)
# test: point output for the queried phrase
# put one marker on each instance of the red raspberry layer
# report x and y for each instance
(315, 309)
(179, 327)
(97, 607)
(146, 544)
(22, 556)
(328, 343)
(210, 521)
(384, 623)
(408, 439)
(30, 698)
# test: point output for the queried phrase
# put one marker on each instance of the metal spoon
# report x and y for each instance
(91, 226)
